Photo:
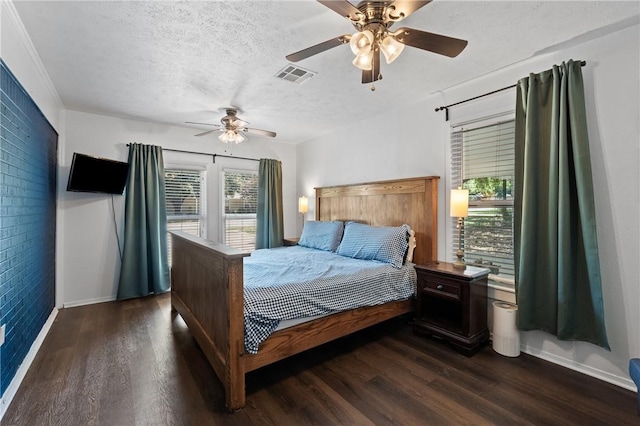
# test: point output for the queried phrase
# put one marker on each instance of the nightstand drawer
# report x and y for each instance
(442, 287)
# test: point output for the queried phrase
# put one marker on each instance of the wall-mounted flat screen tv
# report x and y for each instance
(94, 174)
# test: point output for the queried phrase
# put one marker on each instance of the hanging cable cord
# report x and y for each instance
(115, 223)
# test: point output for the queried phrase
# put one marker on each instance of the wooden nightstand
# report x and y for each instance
(290, 241)
(452, 304)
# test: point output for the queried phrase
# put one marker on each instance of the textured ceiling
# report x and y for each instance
(173, 62)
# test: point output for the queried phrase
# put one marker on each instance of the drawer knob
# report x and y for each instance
(439, 286)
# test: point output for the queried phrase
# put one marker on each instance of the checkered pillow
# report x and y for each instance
(385, 244)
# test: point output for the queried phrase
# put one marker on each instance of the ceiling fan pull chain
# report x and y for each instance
(373, 86)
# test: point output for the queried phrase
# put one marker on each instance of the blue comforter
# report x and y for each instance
(297, 282)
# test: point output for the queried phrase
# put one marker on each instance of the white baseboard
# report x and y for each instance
(623, 382)
(507, 295)
(89, 301)
(26, 363)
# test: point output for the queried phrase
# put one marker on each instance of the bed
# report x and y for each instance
(207, 283)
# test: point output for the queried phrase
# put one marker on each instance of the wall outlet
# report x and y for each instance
(2, 334)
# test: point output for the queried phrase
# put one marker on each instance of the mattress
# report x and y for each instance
(297, 321)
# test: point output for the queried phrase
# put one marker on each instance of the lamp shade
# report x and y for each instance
(239, 137)
(459, 202)
(361, 42)
(303, 204)
(391, 48)
(364, 62)
(224, 136)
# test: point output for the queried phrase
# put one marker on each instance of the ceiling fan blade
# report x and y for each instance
(318, 48)
(400, 9)
(260, 132)
(207, 132)
(343, 8)
(436, 43)
(369, 76)
(203, 124)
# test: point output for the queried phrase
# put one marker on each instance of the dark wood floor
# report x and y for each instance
(134, 362)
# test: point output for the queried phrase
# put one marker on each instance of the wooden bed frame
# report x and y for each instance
(207, 280)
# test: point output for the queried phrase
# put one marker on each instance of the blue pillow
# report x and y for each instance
(322, 235)
(385, 244)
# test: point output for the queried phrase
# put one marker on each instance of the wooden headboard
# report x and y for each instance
(413, 201)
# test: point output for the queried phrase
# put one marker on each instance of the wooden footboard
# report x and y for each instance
(207, 291)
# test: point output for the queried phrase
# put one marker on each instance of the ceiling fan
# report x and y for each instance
(232, 128)
(373, 20)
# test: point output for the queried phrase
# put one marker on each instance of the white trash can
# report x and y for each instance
(506, 338)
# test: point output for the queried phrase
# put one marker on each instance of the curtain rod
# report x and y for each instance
(207, 153)
(446, 107)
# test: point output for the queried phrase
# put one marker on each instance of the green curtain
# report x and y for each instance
(145, 265)
(558, 283)
(269, 227)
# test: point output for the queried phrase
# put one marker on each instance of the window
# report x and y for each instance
(483, 162)
(185, 211)
(240, 201)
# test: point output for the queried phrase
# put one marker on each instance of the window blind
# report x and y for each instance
(482, 161)
(184, 202)
(489, 151)
(239, 208)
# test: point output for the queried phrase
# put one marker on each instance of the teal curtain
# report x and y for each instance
(145, 265)
(269, 226)
(558, 284)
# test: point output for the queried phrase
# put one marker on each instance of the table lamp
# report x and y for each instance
(303, 207)
(460, 209)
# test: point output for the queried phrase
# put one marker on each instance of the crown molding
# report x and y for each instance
(9, 10)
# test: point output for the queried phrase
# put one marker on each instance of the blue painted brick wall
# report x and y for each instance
(28, 152)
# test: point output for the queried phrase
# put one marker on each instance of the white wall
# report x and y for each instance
(89, 257)
(17, 51)
(366, 152)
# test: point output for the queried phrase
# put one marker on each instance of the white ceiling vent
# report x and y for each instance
(295, 74)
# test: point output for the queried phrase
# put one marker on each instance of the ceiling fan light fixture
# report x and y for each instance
(361, 42)
(231, 136)
(232, 128)
(364, 62)
(391, 48)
